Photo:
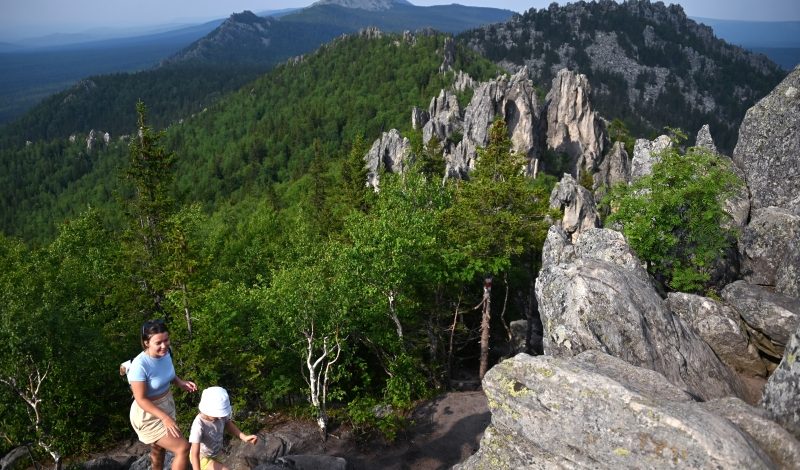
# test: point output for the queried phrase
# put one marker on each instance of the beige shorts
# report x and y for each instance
(147, 426)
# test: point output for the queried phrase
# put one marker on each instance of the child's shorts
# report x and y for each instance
(147, 426)
(205, 462)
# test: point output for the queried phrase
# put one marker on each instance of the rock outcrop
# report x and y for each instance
(615, 168)
(645, 154)
(704, 140)
(782, 393)
(463, 131)
(718, 325)
(443, 117)
(514, 100)
(595, 294)
(768, 247)
(389, 153)
(774, 315)
(597, 411)
(768, 149)
(573, 127)
(577, 205)
(634, 67)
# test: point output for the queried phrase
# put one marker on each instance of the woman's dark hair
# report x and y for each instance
(150, 328)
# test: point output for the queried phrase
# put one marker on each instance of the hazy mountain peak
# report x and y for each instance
(372, 5)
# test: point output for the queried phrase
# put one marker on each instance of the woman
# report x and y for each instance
(153, 409)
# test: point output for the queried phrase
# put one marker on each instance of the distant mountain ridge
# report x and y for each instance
(778, 40)
(245, 38)
(371, 5)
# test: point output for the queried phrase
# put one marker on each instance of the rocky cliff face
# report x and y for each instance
(573, 127)
(620, 362)
(565, 124)
(647, 63)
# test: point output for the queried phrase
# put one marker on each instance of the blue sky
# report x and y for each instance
(27, 18)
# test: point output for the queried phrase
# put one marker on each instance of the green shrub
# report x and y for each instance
(674, 217)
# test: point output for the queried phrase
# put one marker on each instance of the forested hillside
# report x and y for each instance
(648, 64)
(261, 135)
(262, 249)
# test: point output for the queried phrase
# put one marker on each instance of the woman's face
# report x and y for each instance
(158, 345)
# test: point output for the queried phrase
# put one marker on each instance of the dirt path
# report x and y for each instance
(446, 431)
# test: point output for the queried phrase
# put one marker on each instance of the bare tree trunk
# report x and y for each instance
(503, 312)
(393, 315)
(30, 395)
(485, 322)
(450, 347)
(318, 374)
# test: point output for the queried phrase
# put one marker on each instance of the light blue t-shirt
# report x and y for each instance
(156, 373)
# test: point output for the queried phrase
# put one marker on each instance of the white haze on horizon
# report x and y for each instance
(21, 19)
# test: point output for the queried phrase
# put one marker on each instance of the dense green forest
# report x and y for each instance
(249, 229)
(261, 135)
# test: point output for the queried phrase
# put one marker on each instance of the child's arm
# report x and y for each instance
(234, 430)
(194, 455)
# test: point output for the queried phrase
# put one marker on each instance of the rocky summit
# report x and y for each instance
(648, 63)
(371, 5)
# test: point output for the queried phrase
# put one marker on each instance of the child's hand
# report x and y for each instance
(251, 438)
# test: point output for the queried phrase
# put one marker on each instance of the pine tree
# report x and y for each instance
(151, 173)
(498, 216)
(354, 175)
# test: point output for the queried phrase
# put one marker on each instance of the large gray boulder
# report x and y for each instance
(577, 205)
(14, 457)
(772, 314)
(777, 442)
(573, 127)
(597, 411)
(768, 248)
(718, 325)
(768, 149)
(595, 294)
(782, 393)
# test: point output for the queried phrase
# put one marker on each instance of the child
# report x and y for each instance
(208, 428)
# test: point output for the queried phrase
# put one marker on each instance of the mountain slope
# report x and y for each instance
(258, 137)
(648, 64)
(248, 39)
(245, 38)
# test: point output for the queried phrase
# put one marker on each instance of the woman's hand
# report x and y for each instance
(172, 427)
(186, 385)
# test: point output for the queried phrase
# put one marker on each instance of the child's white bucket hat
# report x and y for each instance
(215, 402)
